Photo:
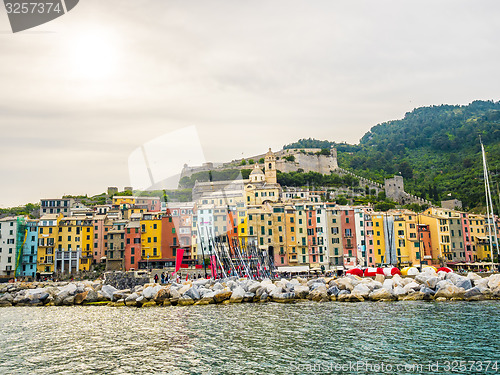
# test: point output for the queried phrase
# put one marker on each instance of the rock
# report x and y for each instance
(69, 301)
(473, 276)
(107, 291)
(494, 281)
(149, 304)
(332, 291)
(412, 286)
(270, 288)
(431, 282)
(362, 289)
(440, 299)
(450, 291)
(260, 291)
(150, 291)
(248, 297)
(318, 294)
(5, 303)
(139, 301)
(7, 297)
(162, 295)
(399, 291)
(131, 299)
(345, 284)
(397, 280)
(379, 294)
(355, 296)
(222, 295)
(201, 282)
(464, 283)
(208, 297)
(264, 297)
(388, 284)
(253, 286)
(472, 292)
(183, 289)
(284, 297)
(217, 286)
(193, 293)
(70, 289)
(80, 297)
(415, 296)
(185, 301)
(92, 296)
(380, 278)
(421, 278)
(120, 294)
(237, 295)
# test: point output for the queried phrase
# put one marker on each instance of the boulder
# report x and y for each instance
(69, 301)
(185, 301)
(388, 283)
(222, 295)
(92, 296)
(431, 282)
(355, 296)
(399, 291)
(414, 296)
(131, 299)
(362, 289)
(284, 297)
(253, 286)
(71, 289)
(464, 283)
(345, 284)
(450, 291)
(473, 292)
(301, 291)
(410, 287)
(332, 291)
(318, 294)
(150, 291)
(237, 295)
(248, 297)
(379, 294)
(494, 281)
(162, 295)
(316, 281)
(148, 304)
(380, 278)
(264, 297)
(473, 276)
(193, 293)
(107, 291)
(7, 297)
(80, 297)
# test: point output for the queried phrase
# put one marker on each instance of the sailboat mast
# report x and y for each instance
(489, 206)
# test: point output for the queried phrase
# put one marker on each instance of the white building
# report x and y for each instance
(8, 232)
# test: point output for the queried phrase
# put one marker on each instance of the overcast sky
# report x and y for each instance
(79, 94)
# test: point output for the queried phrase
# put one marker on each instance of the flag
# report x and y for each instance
(178, 259)
(213, 266)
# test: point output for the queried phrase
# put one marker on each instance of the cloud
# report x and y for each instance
(248, 75)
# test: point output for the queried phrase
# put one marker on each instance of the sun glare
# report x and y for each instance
(93, 56)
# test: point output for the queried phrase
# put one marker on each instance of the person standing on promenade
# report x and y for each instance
(156, 278)
(163, 277)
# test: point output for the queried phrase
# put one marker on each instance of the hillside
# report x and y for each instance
(436, 149)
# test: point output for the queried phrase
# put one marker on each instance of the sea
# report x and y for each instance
(302, 338)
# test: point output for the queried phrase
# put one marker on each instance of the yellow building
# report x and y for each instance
(151, 236)
(47, 242)
(74, 245)
(378, 238)
(479, 238)
(301, 228)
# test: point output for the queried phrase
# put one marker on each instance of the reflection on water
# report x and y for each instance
(245, 338)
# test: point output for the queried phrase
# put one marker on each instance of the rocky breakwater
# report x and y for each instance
(428, 285)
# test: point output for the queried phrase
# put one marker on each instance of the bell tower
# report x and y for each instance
(270, 168)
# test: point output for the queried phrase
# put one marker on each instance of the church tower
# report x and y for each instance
(270, 168)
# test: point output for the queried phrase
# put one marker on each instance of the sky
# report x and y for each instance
(82, 93)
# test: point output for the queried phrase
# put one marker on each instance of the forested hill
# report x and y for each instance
(436, 149)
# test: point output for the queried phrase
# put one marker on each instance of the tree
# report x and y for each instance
(406, 170)
(243, 162)
(261, 161)
(251, 161)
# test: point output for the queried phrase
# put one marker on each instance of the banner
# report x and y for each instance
(178, 259)
(213, 266)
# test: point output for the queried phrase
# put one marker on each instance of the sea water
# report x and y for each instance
(302, 338)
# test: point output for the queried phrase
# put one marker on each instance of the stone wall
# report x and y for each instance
(124, 280)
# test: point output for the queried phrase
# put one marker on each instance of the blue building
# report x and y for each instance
(27, 234)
